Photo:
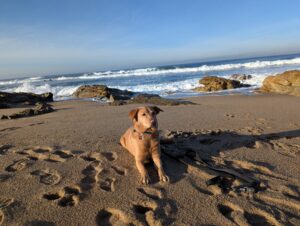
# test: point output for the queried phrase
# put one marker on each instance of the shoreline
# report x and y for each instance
(232, 92)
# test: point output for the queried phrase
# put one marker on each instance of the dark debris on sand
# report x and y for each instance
(153, 99)
(40, 108)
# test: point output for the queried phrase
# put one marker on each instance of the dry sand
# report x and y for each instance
(67, 169)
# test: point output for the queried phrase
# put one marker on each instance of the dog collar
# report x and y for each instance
(148, 132)
(141, 135)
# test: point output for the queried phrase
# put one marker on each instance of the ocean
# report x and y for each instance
(173, 81)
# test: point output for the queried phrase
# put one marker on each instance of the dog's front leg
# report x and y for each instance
(141, 168)
(161, 173)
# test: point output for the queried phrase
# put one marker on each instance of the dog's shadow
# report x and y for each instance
(174, 170)
(207, 145)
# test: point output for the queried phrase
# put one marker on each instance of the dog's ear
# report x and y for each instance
(156, 109)
(133, 114)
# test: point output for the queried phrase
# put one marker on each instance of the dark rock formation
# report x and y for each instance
(214, 83)
(102, 91)
(40, 108)
(118, 97)
(12, 99)
(240, 77)
(156, 100)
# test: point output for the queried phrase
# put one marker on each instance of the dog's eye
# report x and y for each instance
(144, 114)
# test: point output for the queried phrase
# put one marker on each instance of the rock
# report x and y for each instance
(156, 100)
(214, 83)
(285, 83)
(4, 105)
(240, 77)
(118, 97)
(40, 108)
(12, 99)
(102, 91)
(96, 91)
(117, 94)
(46, 97)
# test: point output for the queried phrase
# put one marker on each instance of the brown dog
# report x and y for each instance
(142, 140)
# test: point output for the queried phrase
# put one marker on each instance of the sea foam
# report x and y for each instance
(182, 70)
(165, 81)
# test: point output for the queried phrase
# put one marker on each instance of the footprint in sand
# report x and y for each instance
(157, 210)
(49, 154)
(107, 184)
(4, 177)
(291, 150)
(95, 173)
(59, 156)
(71, 197)
(91, 156)
(67, 197)
(90, 173)
(146, 213)
(239, 216)
(48, 177)
(3, 204)
(233, 213)
(4, 149)
(64, 154)
(111, 216)
(142, 209)
(107, 177)
(151, 193)
(36, 153)
(18, 165)
(120, 170)
(110, 156)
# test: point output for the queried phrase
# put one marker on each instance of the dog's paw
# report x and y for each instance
(163, 177)
(145, 179)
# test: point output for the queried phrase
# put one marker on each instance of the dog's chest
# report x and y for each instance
(147, 142)
(148, 147)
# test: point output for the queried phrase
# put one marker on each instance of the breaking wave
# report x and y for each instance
(159, 80)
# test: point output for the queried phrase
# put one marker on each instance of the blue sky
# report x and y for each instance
(63, 36)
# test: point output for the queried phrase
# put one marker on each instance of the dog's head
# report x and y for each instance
(144, 118)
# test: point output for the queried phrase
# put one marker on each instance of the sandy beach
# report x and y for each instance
(67, 168)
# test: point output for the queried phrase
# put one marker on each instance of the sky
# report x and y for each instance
(67, 36)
